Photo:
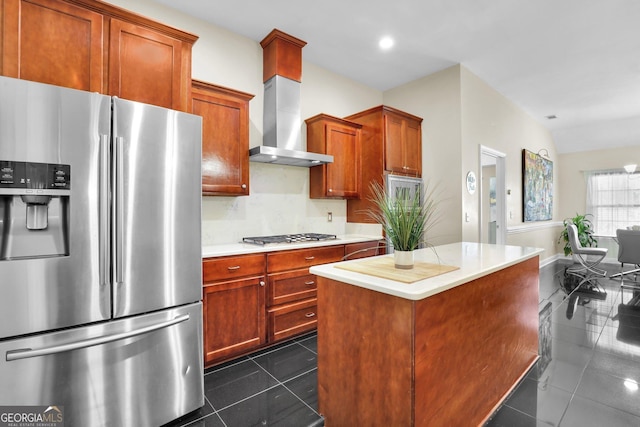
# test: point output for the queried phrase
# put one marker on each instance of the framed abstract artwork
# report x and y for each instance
(537, 187)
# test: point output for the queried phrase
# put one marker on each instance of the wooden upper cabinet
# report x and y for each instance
(225, 138)
(391, 143)
(52, 41)
(97, 47)
(146, 66)
(340, 139)
(403, 144)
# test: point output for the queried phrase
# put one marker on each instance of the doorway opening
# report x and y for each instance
(492, 219)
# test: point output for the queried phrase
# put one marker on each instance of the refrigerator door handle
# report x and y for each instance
(26, 353)
(104, 210)
(119, 189)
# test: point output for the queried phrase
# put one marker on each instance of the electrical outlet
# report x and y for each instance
(329, 216)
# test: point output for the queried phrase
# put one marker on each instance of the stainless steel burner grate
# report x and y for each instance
(288, 238)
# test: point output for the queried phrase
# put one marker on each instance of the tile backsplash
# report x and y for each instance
(278, 203)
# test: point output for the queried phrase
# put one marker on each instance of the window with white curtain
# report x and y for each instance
(613, 198)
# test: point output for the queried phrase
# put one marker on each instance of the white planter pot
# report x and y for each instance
(403, 259)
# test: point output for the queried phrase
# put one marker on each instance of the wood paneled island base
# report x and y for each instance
(446, 360)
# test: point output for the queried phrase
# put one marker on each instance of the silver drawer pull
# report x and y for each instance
(310, 314)
(235, 267)
(311, 282)
(309, 258)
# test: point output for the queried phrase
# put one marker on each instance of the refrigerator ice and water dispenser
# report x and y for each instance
(34, 209)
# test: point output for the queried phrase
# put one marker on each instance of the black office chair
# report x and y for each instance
(587, 257)
(628, 251)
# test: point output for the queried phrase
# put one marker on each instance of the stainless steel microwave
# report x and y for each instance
(403, 185)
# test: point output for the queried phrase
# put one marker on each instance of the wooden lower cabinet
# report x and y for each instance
(235, 318)
(252, 301)
(233, 305)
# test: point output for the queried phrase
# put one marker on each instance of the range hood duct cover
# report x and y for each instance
(282, 142)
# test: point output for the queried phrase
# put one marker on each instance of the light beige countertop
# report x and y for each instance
(247, 248)
(473, 259)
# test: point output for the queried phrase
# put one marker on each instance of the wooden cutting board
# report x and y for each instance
(384, 267)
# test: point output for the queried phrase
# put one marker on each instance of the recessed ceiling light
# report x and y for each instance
(386, 43)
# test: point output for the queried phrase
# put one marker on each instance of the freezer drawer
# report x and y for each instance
(150, 377)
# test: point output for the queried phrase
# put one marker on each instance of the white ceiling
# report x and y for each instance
(576, 59)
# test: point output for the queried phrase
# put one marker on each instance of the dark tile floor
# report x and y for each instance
(273, 387)
(587, 375)
(589, 370)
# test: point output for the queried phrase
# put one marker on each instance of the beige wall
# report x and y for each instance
(571, 173)
(491, 120)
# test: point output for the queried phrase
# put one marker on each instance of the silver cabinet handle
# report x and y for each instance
(261, 283)
(235, 267)
(331, 190)
(309, 283)
(310, 314)
(26, 353)
(244, 186)
(309, 258)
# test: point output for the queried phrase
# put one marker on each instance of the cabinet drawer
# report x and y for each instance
(290, 286)
(300, 258)
(292, 319)
(364, 249)
(224, 268)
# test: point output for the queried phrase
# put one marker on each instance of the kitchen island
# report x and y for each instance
(440, 351)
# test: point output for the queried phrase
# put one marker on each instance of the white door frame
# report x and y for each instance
(501, 192)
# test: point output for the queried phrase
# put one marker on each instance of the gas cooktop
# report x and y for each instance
(289, 238)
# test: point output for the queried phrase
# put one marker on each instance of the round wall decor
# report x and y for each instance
(471, 182)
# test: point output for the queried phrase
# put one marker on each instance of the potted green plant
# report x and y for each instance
(405, 218)
(585, 232)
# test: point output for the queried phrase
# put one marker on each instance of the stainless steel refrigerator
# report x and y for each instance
(100, 257)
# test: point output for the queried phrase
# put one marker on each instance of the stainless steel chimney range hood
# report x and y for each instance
(282, 71)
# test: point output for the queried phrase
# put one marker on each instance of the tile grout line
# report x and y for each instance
(292, 378)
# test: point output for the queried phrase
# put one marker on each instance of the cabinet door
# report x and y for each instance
(146, 66)
(341, 139)
(54, 42)
(403, 145)
(393, 141)
(234, 318)
(225, 139)
(412, 150)
(342, 175)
